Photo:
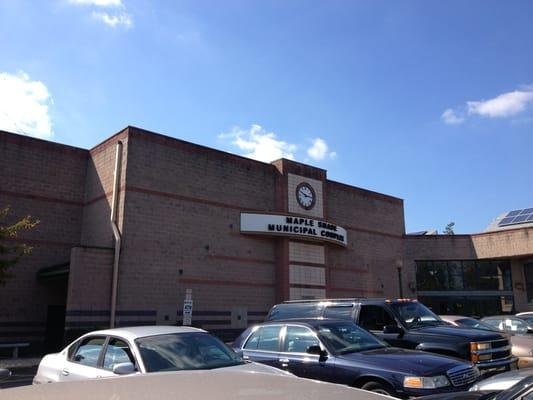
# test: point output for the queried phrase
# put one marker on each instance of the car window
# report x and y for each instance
(88, 351)
(496, 323)
(117, 352)
(340, 312)
(374, 318)
(298, 339)
(72, 349)
(298, 310)
(265, 338)
(344, 337)
(185, 351)
(515, 325)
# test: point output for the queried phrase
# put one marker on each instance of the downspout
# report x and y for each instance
(116, 233)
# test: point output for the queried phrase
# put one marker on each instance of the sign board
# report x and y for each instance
(187, 308)
(287, 225)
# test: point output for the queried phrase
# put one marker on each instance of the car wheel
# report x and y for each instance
(379, 387)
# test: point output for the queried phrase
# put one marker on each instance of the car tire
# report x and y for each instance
(379, 387)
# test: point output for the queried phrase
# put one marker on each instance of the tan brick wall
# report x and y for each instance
(306, 253)
(45, 180)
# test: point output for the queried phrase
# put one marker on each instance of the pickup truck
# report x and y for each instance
(408, 324)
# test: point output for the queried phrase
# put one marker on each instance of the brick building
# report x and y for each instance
(241, 234)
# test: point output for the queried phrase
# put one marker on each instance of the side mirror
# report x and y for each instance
(4, 373)
(317, 350)
(124, 368)
(393, 329)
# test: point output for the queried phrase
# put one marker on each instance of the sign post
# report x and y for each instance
(187, 308)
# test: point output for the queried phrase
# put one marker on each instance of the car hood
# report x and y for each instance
(459, 332)
(220, 384)
(258, 368)
(502, 381)
(411, 362)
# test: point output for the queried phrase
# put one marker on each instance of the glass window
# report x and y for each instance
(89, 351)
(298, 339)
(185, 351)
(117, 352)
(414, 314)
(504, 275)
(528, 272)
(455, 272)
(487, 276)
(265, 338)
(301, 310)
(375, 318)
(346, 337)
(340, 312)
(470, 278)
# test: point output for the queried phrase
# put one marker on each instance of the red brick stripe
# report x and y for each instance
(242, 259)
(41, 198)
(42, 242)
(186, 198)
(346, 269)
(355, 290)
(225, 283)
(372, 232)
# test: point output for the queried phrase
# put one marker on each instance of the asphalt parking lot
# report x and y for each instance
(22, 372)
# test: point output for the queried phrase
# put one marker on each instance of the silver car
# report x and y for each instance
(219, 384)
(140, 349)
(501, 381)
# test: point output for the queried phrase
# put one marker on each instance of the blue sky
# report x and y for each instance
(431, 102)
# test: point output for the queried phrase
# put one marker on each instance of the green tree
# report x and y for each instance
(11, 251)
(449, 229)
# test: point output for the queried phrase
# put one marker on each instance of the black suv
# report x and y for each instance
(408, 324)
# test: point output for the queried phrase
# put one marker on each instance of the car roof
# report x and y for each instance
(134, 332)
(454, 317)
(220, 384)
(312, 322)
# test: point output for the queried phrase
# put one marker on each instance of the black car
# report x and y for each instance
(339, 351)
(408, 324)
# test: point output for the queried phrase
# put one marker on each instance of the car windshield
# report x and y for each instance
(528, 319)
(415, 315)
(185, 351)
(475, 324)
(346, 337)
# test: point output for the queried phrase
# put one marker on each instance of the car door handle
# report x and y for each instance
(284, 362)
(245, 357)
(65, 372)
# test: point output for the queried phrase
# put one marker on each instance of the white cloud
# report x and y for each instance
(259, 144)
(319, 150)
(114, 20)
(502, 106)
(118, 18)
(98, 3)
(451, 118)
(24, 105)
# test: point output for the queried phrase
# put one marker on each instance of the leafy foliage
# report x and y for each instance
(449, 229)
(11, 250)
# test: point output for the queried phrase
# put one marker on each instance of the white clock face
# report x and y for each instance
(305, 196)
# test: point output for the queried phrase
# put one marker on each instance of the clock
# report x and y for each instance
(305, 195)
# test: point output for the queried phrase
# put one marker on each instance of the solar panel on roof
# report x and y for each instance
(506, 221)
(517, 217)
(520, 218)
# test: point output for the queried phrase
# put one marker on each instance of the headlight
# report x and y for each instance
(479, 346)
(422, 382)
(474, 388)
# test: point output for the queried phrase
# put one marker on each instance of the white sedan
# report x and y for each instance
(141, 349)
